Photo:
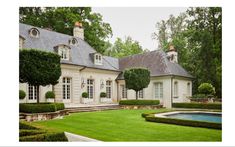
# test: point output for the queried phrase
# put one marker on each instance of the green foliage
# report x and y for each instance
(85, 95)
(62, 19)
(102, 94)
(199, 96)
(22, 94)
(198, 105)
(50, 94)
(137, 79)
(31, 133)
(184, 122)
(197, 36)
(206, 88)
(41, 107)
(139, 102)
(123, 48)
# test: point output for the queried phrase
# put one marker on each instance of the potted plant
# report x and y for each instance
(22, 95)
(50, 96)
(84, 97)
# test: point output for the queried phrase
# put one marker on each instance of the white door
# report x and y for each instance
(67, 89)
(32, 94)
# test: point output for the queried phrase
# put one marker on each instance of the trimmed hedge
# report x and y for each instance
(139, 102)
(22, 94)
(41, 107)
(184, 122)
(39, 134)
(198, 105)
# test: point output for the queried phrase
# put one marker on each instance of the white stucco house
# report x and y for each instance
(85, 70)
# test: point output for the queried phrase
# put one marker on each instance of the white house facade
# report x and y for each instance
(85, 70)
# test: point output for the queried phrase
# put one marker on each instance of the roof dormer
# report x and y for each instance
(97, 58)
(73, 41)
(33, 32)
(64, 51)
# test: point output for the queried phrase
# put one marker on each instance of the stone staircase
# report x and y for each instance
(22, 117)
(92, 108)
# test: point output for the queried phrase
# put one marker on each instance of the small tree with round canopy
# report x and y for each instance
(39, 68)
(137, 79)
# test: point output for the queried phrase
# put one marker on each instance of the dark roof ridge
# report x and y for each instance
(158, 50)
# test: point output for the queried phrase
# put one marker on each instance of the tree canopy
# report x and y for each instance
(123, 48)
(39, 68)
(62, 19)
(197, 36)
(137, 79)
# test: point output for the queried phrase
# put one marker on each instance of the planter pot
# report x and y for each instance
(50, 100)
(105, 100)
(87, 100)
(22, 100)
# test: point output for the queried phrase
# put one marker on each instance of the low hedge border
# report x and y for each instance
(192, 123)
(139, 102)
(38, 134)
(198, 105)
(41, 107)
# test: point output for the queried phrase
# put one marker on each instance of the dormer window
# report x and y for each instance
(98, 59)
(34, 33)
(73, 41)
(21, 42)
(64, 52)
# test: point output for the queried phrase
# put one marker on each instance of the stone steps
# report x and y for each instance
(92, 108)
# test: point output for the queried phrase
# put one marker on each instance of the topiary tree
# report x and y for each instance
(39, 68)
(22, 94)
(137, 79)
(102, 94)
(207, 89)
(85, 95)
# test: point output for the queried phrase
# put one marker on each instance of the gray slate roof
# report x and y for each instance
(155, 61)
(80, 54)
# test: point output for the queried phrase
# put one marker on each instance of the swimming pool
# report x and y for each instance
(209, 117)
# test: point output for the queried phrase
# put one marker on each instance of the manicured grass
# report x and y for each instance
(128, 125)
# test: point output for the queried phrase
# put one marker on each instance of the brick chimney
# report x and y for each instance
(172, 54)
(78, 30)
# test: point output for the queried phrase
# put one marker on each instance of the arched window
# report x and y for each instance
(73, 41)
(34, 33)
(175, 89)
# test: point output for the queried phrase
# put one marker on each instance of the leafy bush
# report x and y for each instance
(39, 134)
(50, 94)
(206, 88)
(139, 102)
(199, 96)
(85, 95)
(184, 122)
(41, 107)
(22, 94)
(102, 94)
(198, 105)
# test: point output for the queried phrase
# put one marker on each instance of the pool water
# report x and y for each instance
(198, 116)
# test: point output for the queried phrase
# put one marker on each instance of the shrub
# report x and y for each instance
(24, 125)
(59, 106)
(102, 94)
(139, 102)
(199, 96)
(198, 105)
(85, 95)
(30, 132)
(206, 88)
(50, 94)
(22, 94)
(184, 122)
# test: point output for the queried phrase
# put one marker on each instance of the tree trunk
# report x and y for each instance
(136, 95)
(37, 94)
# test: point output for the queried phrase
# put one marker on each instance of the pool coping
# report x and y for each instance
(164, 114)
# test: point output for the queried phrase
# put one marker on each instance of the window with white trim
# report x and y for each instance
(64, 52)
(124, 91)
(90, 88)
(33, 92)
(188, 89)
(108, 89)
(141, 93)
(34, 33)
(98, 59)
(66, 88)
(158, 90)
(175, 89)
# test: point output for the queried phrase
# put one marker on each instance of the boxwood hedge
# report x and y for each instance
(39, 134)
(139, 102)
(184, 122)
(198, 105)
(41, 107)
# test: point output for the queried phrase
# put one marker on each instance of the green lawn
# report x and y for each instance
(128, 125)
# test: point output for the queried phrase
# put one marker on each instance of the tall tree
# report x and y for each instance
(123, 48)
(62, 19)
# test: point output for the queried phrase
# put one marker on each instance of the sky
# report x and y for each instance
(137, 22)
